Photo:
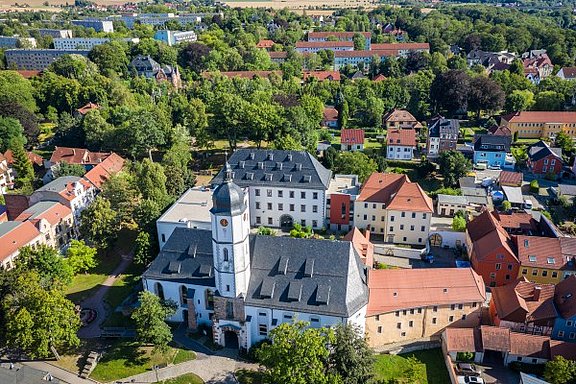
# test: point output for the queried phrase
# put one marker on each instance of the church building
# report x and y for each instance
(244, 285)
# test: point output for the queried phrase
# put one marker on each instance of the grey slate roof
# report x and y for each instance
(449, 199)
(22, 374)
(567, 189)
(492, 143)
(541, 150)
(304, 275)
(444, 126)
(59, 184)
(186, 258)
(144, 63)
(276, 168)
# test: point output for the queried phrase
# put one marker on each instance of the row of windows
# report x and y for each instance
(434, 320)
(291, 207)
(412, 311)
(271, 221)
(498, 266)
(572, 335)
(543, 274)
(291, 194)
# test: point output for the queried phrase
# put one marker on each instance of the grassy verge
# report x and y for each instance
(124, 359)
(421, 367)
(84, 285)
(188, 378)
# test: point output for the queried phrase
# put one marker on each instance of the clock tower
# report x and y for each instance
(230, 238)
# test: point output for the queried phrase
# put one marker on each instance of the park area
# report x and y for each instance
(420, 367)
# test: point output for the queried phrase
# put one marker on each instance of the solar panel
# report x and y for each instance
(267, 289)
(323, 294)
(174, 267)
(295, 291)
(309, 267)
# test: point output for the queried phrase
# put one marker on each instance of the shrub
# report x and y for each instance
(534, 186)
(266, 231)
(465, 356)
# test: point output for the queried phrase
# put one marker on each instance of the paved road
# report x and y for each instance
(212, 369)
(59, 373)
(96, 301)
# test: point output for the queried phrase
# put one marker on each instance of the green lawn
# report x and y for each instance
(430, 368)
(188, 378)
(124, 359)
(124, 286)
(246, 376)
(85, 284)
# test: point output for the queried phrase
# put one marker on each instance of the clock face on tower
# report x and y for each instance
(224, 222)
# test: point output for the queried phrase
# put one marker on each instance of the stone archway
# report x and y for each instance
(230, 336)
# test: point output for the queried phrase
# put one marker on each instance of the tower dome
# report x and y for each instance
(228, 197)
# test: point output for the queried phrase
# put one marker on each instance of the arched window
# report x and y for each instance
(183, 295)
(225, 254)
(159, 290)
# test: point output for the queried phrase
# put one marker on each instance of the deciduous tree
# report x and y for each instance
(99, 223)
(81, 257)
(560, 371)
(350, 356)
(354, 163)
(150, 319)
(453, 166)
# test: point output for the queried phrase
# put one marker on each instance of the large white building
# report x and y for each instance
(285, 187)
(97, 25)
(86, 42)
(175, 37)
(37, 59)
(245, 285)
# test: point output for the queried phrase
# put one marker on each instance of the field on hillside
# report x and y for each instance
(23, 5)
(302, 4)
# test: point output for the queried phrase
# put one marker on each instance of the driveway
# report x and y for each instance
(494, 371)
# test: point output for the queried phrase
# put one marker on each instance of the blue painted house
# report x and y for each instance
(565, 301)
(493, 150)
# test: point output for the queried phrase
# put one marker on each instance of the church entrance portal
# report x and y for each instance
(286, 222)
(231, 339)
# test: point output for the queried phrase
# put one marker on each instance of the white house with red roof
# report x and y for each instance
(352, 140)
(330, 117)
(401, 144)
(74, 192)
(54, 220)
(13, 236)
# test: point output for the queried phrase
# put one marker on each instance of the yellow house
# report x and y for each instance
(546, 260)
(410, 304)
(540, 124)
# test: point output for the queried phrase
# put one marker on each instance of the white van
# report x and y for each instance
(528, 204)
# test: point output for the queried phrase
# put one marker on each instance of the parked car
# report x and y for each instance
(467, 369)
(528, 204)
(470, 380)
(481, 165)
(428, 257)
(495, 167)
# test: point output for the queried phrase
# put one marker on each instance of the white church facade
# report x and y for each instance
(244, 285)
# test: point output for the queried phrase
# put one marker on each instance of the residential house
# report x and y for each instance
(315, 46)
(400, 118)
(490, 60)
(13, 236)
(401, 144)
(285, 187)
(77, 156)
(523, 306)
(36, 160)
(544, 160)
(104, 170)
(394, 207)
(401, 49)
(566, 190)
(18, 373)
(567, 73)
(493, 151)
(565, 301)
(278, 57)
(330, 117)
(518, 223)
(362, 245)
(340, 200)
(510, 179)
(265, 44)
(499, 130)
(448, 205)
(321, 75)
(150, 69)
(490, 250)
(537, 67)
(243, 286)
(82, 111)
(72, 191)
(410, 304)
(442, 135)
(546, 260)
(6, 175)
(540, 124)
(54, 221)
(352, 140)
(502, 342)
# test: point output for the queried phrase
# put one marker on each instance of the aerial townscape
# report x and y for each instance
(288, 192)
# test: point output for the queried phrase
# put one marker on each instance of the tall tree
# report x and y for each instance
(22, 166)
(119, 190)
(150, 319)
(485, 95)
(38, 318)
(450, 90)
(16, 89)
(351, 357)
(453, 166)
(519, 100)
(354, 163)
(10, 129)
(51, 267)
(150, 180)
(99, 223)
(81, 257)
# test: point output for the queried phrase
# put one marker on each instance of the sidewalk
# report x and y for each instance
(59, 373)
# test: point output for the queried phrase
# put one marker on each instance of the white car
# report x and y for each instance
(481, 165)
(470, 380)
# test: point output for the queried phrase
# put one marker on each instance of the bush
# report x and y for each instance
(266, 231)
(465, 356)
(402, 164)
(534, 186)
(506, 205)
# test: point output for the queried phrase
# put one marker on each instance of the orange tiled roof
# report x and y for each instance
(352, 136)
(397, 289)
(540, 252)
(396, 192)
(322, 75)
(511, 178)
(265, 44)
(87, 108)
(15, 236)
(404, 137)
(34, 158)
(517, 220)
(541, 117)
(50, 211)
(330, 114)
(102, 172)
(487, 235)
(398, 115)
(80, 156)
(362, 245)
(463, 340)
(565, 297)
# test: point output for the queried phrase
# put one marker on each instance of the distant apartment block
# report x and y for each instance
(56, 33)
(159, 19)
(97, 25)
(315, 46)
(37, 59)
(175, 37)
(86, 42)
(17, 42)
(540, 124)
(340, 36)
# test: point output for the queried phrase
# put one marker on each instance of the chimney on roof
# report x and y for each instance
(74, 151)
(537, 292)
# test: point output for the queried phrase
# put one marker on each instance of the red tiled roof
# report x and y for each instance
(562, 348)
(404, 137)
(488, 235)
(516, 220)
(532, 346)
(540, 252)
(565, 297)
(495, 338)
(330, 114)
(400, 46)
(362, 245)
(29, 74)
(53, 213)
(80, 156)
(500, 131)
(397, 289)
(352, 136)
(34, 158)
(463, 340)
(380, 77)
(242, 74)
(338, 35)
(278, 55)
(569, 72)
(87, 108)
(20, 235)
(102, 172)
(322, 75)
(265, 44)
(513, 179)
(324, 44)
(541, 117)
(399, 115)
(396, 192)
(525, 302)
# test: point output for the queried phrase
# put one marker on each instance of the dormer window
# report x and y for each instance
(532, 258)
(550, 260)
